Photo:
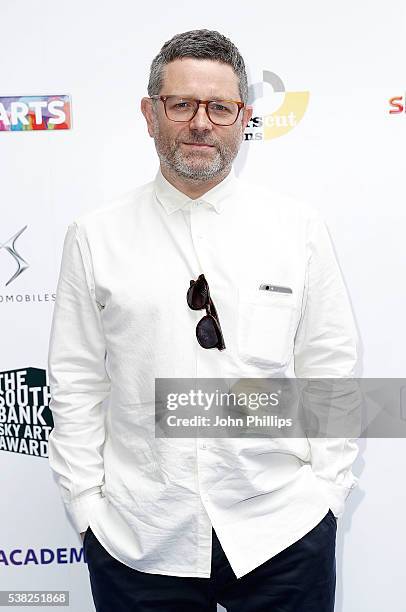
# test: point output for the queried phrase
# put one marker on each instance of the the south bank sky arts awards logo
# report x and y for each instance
(29, 113)
(276, 111)
(25, 417)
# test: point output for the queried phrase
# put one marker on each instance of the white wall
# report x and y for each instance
(346, 157)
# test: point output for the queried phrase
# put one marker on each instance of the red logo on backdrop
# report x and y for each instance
(397, 105)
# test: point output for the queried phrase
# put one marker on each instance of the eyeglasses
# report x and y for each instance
(220, 112)
(208, 330)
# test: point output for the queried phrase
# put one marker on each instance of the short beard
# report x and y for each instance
(172, 157)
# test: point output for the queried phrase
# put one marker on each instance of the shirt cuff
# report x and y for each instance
(336, 494)
(79, 509)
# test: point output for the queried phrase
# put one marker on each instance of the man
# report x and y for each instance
(176, 524)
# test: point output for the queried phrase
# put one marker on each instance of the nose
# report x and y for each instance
(200, 121)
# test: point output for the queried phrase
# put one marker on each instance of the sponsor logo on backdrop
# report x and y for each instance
(41, 556)
(397, 105)
(27, 113)
(20, 298)
(265, 125)
(25, 418)
(10, 247)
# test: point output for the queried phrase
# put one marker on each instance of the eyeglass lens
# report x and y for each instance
(208, 331)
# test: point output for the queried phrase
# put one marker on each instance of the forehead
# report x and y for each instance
(200, 78)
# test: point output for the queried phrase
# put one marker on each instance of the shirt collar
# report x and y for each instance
(172, 199)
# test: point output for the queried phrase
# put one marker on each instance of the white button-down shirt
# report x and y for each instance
(121, 320)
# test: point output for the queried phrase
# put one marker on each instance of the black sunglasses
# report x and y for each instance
(208, 330)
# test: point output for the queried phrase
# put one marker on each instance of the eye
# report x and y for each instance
(218, 107)
(182, 105)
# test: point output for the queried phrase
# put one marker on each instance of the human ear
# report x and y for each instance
(247, 114)
(148, 112)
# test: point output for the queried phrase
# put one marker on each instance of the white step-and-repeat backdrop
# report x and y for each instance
(328, 88)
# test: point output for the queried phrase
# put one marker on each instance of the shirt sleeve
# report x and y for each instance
(78, 382)
(326, 347)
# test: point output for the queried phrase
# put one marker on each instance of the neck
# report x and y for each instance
(193, 189)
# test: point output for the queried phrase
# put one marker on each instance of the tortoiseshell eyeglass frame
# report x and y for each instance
(199, 102)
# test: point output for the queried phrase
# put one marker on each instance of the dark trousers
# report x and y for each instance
(301, 578)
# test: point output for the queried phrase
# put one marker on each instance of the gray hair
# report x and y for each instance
(200, 44)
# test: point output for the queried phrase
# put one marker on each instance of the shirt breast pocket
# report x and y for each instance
(266, 324)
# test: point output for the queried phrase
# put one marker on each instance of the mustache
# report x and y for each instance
(199, 140)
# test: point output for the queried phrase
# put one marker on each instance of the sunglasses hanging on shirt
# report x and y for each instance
(208, 329)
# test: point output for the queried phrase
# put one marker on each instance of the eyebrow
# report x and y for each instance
(195, 98)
